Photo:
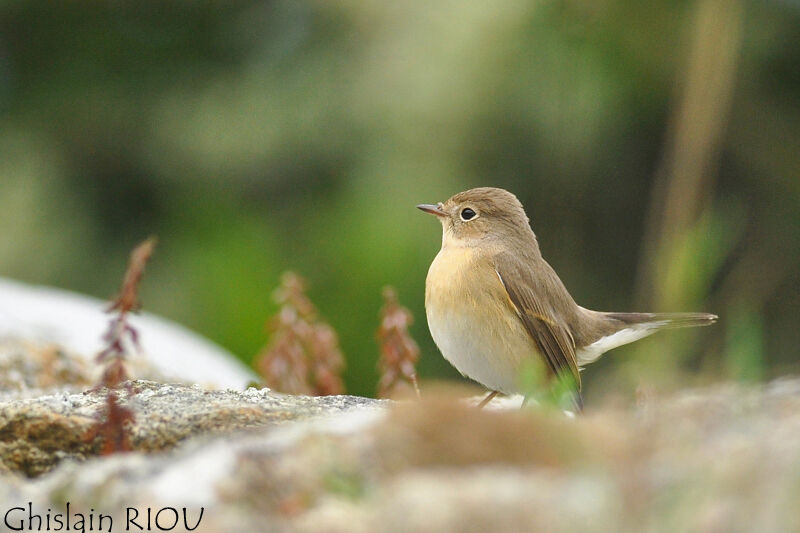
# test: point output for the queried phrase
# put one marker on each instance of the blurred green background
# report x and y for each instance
(656, 147)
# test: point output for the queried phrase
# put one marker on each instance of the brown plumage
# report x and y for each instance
(493, 302)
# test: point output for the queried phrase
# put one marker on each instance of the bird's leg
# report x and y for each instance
(488, 399)
(525, 401)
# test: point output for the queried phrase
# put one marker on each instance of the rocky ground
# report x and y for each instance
(725, 458)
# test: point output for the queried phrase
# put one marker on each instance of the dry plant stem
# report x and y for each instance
(119, 332)
(114, 430)
(399, 352)
(303, 355)
(112, 427)
(128, 298)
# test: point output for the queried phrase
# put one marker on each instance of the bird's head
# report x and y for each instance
(479, 215)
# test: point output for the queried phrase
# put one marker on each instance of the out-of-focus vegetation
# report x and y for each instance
(303, 355)
(656, 147)
(399, 351)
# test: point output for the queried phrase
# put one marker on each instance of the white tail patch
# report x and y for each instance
(589, 354)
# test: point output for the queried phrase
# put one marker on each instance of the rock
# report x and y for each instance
(36, 434)
(32, 369)
(724, 458)
(26, 366)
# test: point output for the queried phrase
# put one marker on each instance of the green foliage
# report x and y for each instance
(744, 339)
(256, 137)
(542, 390)
(349, 485)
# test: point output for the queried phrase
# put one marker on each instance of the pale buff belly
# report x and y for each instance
(473, 324)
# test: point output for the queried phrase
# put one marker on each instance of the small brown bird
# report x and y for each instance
(494, 304)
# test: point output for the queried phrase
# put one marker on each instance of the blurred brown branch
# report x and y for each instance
(685, 177)
(687, 238)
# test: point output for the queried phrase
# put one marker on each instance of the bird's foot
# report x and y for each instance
(489, 398)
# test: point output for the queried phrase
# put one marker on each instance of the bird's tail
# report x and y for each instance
(623, 328)
(664, 320)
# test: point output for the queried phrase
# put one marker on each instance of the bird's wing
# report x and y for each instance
(527, 294)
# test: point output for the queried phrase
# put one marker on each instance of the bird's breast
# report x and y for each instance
(472, 320)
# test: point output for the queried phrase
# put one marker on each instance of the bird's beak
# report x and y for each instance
(432, 209)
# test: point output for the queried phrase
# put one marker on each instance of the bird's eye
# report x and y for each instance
(467, 214)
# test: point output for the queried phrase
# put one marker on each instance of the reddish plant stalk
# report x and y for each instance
(303, 355)
(399, 352)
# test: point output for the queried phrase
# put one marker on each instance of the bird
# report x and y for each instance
(494, 306)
